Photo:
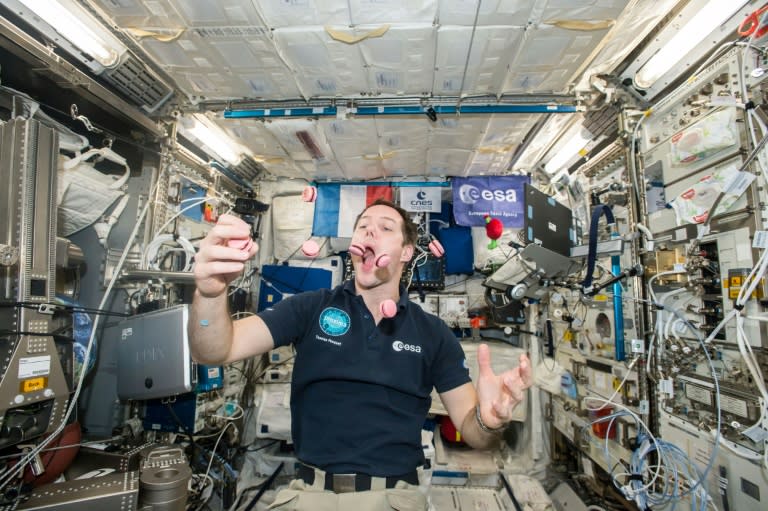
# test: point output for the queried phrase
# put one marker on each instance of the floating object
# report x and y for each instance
(309, 194)
(310, 248)
(388, 308)
(358, 250)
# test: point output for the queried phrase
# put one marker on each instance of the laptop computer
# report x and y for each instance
(153, 354)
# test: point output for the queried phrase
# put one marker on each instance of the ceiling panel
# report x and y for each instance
(351, 137)
(322, 66)
(503, 134)
(486, 67)
(491, 12)
(383, 52)
(550, 11)
(402, 61)
(458, 132)
(363, 12)
(447, 162)
(549, 57)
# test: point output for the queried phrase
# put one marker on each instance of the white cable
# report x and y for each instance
(150, 253)
(648, 235)
(661, 274)
(235, 416)
(7, 475)
(187, 208)
(216, 445)
(618, 388)
(638, 420)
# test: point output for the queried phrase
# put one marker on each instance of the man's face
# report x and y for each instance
(380, 232)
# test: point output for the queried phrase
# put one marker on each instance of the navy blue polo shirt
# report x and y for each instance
(361, 391)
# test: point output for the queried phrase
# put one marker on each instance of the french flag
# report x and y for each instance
(337, 207)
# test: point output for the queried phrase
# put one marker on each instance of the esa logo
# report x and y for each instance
(469, 194)
(401, 346)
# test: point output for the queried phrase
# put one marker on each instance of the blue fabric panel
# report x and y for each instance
(459, 255)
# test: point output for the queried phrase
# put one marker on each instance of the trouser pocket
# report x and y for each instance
(406, 500)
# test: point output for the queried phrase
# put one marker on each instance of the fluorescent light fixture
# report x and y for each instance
(571, 143)
(79, 28)
(700, 25)
(213, 138)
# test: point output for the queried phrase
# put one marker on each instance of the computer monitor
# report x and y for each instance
(431, 274)
(547, 222)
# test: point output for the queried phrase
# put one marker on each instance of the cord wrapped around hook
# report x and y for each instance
(90, 127)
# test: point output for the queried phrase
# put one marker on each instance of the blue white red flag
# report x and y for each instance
(338, 205)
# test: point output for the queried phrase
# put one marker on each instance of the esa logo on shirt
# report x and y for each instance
(334, 321)
(401, 346)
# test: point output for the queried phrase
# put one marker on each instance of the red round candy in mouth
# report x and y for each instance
(360, 251)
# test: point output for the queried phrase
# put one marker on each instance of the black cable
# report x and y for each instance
(264, 487)
(510, 492)
(56, 307)
(598, 211)
(56, 336)
(247, 449)
(184, 427)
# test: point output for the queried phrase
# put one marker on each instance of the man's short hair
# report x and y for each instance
(410, 234)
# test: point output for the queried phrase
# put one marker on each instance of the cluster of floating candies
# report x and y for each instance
(310, 248)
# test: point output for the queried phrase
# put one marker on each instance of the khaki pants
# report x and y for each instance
(300, 496)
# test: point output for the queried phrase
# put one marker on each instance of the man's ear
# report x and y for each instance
(407, 253)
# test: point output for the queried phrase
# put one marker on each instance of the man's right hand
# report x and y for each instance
(216, 263)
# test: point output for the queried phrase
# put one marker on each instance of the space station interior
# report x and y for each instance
(595, 172)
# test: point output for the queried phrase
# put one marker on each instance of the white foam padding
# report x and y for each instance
(292, 226)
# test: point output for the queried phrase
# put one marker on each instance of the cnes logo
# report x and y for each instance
(469, 194)
(401, 346)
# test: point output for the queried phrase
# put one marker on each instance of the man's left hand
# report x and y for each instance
(500, 394)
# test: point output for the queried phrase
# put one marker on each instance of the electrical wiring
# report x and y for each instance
(197, 202)
(623, 411)
(673, 464)
(8, 474)
(658, 334)
(199, 491)
(679, 472)
(62, 447)
(671, 324)
(234, 416)
(55, 307)
(153, 247)
(713, 373)
(751, 117)
(618, 388)
(216, 446)
(419, 260)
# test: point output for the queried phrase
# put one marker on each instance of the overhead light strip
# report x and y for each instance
(332, 111)
(79, 28)
(688, 36)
